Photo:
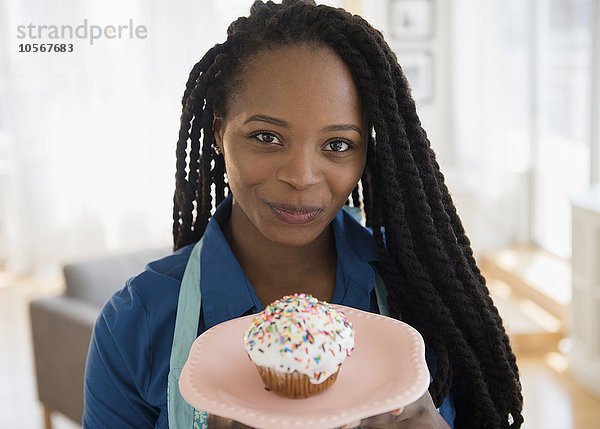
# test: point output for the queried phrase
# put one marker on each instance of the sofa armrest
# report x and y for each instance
(61, 328)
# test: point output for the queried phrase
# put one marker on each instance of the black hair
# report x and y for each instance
(432, 277)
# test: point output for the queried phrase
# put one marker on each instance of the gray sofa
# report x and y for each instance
(61, 326)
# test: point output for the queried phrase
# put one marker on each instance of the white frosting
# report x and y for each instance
(300, 333)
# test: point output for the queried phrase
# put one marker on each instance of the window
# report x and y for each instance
(562, 121)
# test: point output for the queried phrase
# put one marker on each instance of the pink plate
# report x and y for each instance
(386, 371)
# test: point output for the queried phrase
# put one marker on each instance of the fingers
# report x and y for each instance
(380, 420)
(397, 412)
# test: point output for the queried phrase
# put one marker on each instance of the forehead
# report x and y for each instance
(300, 81)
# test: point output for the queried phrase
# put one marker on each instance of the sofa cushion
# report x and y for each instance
(95, 280)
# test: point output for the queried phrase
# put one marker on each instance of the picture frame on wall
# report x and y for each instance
(411, 19)
(418, 69)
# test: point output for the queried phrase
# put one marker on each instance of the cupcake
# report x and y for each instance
(298, 344)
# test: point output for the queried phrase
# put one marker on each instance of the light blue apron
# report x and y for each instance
(181, 414)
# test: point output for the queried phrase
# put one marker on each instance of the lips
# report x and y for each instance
(294, 214)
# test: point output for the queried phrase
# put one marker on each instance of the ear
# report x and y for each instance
(218, 130)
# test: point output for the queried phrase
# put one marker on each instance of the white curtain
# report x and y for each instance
(87, 138)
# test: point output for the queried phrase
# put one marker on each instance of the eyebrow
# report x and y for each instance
(284, 124)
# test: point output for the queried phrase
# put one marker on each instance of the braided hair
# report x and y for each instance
(432, 276)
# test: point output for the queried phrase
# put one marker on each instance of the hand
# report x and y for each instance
(223, 423)
(420, 414)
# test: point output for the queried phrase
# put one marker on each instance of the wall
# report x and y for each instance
(435, 115)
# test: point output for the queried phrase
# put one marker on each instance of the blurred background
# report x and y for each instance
(507, 90)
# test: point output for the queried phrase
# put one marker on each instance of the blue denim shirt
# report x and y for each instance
(128, 360)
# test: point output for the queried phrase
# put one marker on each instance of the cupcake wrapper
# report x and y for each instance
(293, 385)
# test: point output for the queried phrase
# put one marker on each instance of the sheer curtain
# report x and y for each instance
(87, 138)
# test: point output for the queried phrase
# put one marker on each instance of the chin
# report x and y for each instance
(285, 237)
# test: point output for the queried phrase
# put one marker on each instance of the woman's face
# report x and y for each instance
(294, 142)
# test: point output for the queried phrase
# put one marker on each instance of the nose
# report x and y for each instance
(300, 168)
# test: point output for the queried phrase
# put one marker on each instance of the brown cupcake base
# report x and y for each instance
(293, 385)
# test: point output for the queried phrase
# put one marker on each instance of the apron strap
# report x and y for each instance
(181, 414)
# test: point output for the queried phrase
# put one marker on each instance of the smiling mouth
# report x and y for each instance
(294, 214)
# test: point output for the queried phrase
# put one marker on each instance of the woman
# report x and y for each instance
(302, 109)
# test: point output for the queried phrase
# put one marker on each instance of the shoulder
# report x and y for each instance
(170, 267)
(149, 296)
(128, 358)
(160, 279)
(132, 336)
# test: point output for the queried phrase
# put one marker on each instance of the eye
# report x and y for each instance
(265, 137)
(338, 146)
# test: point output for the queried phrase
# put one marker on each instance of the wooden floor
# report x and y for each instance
(552, 398)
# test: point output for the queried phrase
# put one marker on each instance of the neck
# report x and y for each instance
(274, 269)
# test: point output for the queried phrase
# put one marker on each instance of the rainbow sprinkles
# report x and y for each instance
(300, 333)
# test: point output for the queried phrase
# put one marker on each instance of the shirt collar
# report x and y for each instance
(227, 293)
